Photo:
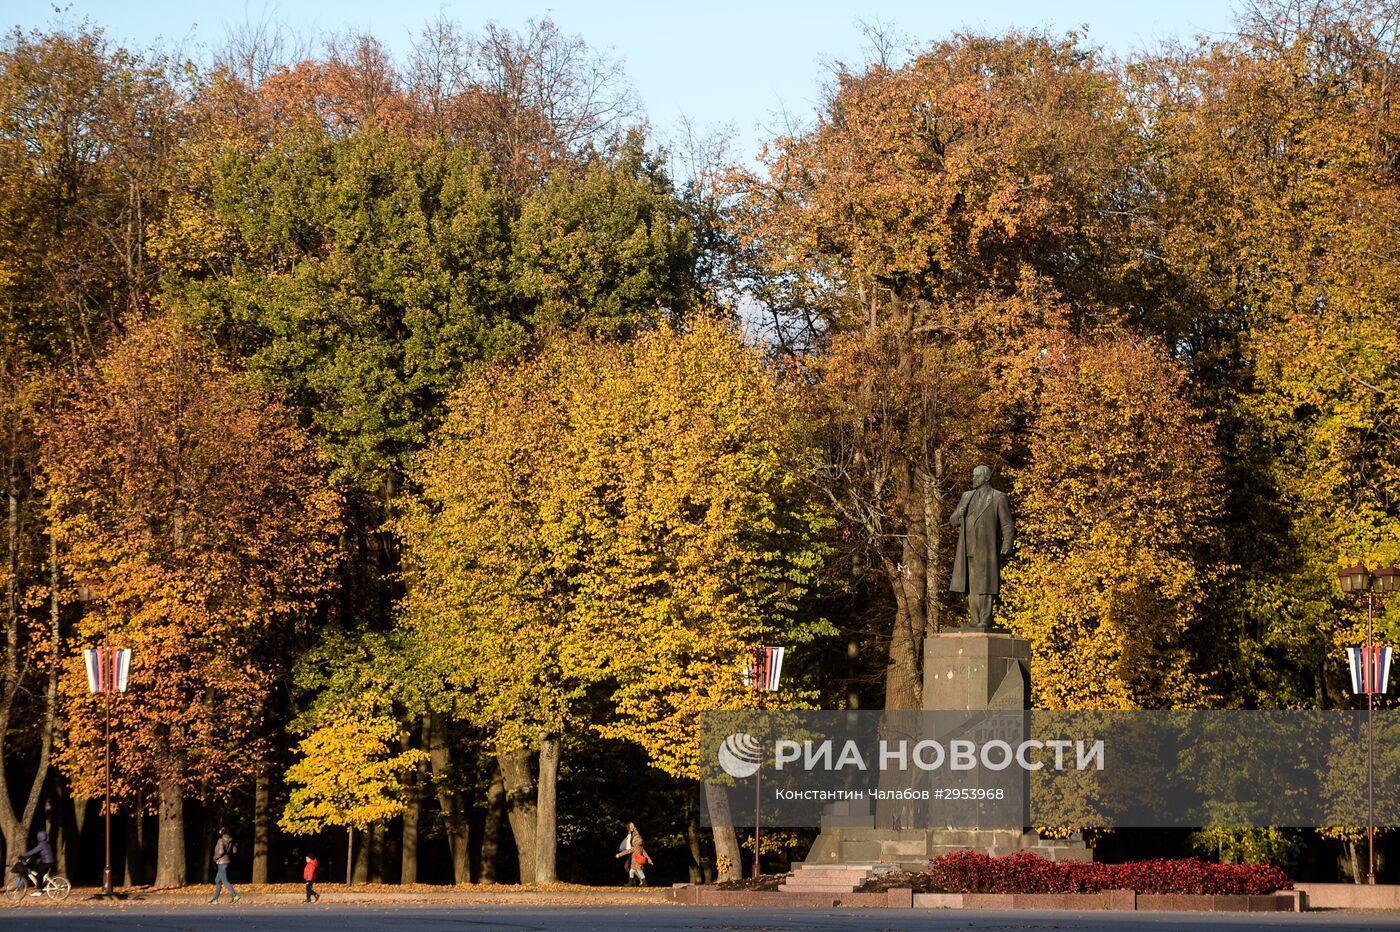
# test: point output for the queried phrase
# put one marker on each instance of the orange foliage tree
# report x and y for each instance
(923, 229)
(203, 510)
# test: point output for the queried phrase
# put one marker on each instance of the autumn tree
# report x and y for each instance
(1272, 157)
(982, 170)
(256, 48)
(538, 102)
(33, 616)
(87, 132)
(369, 675)
(204, 510)
(606, 521)
(1115, 533)
(348, 776)
(360, 269)
(354, 85)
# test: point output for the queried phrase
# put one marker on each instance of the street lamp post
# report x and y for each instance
(762, 676)
(1357, 579)
(106, 671)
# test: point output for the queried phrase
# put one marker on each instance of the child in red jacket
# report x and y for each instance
(640, 860)
(309, 875)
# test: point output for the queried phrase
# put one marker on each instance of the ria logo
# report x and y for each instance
(740, 755)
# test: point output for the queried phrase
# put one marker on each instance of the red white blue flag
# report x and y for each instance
(107, 669)
(1370, 670)
(766, 669)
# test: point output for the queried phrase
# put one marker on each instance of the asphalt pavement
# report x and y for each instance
(331, 917)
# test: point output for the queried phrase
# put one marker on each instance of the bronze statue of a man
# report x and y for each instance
(986, 534)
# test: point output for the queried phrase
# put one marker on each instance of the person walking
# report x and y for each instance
(308, 874)
(630, 844)
(624, 848)
(224, 850)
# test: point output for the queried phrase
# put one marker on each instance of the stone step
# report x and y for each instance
(817, 888)
(833, 878)
(850, 883)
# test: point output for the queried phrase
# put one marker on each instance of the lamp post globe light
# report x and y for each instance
(1368, 678)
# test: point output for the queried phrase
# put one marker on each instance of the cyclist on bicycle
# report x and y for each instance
(44, 852)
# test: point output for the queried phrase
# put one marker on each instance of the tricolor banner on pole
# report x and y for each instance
(1370, 670)
(766, 670)
(107, 669)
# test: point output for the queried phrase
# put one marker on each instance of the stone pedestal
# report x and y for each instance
(963, 671)
(975, 670)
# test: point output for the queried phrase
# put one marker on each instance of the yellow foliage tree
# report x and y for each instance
(602, 535)
(1273, 160)
(1114, 534)
(347, 777)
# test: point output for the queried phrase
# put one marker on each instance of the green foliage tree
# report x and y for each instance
(607, 250)
(363, 276)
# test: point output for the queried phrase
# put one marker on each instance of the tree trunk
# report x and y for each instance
(904, 679)
(729, 862)
(350, 856)
(375, 859)
(170, 846)
(698, 868)
(453, 811)
(491, 826)
(362, 856)
(935, 511)
(135, 850)
(1357, 876)
(903, 684)
(73, 846)
(262, 822)
(205, 830)
(520, 807)
(413, 808)
(547, 810)
(15, 826)
(15, 833)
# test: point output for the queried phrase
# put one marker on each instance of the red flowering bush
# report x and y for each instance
(971, 872)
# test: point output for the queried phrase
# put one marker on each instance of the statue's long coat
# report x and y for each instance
(986, 530)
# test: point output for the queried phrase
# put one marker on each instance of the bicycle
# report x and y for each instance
(55, 886)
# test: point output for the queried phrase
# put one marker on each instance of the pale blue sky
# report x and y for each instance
(717, 61)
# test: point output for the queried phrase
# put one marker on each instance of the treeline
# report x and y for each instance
(440, 455)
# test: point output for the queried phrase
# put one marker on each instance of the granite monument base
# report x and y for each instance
(963, 671)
